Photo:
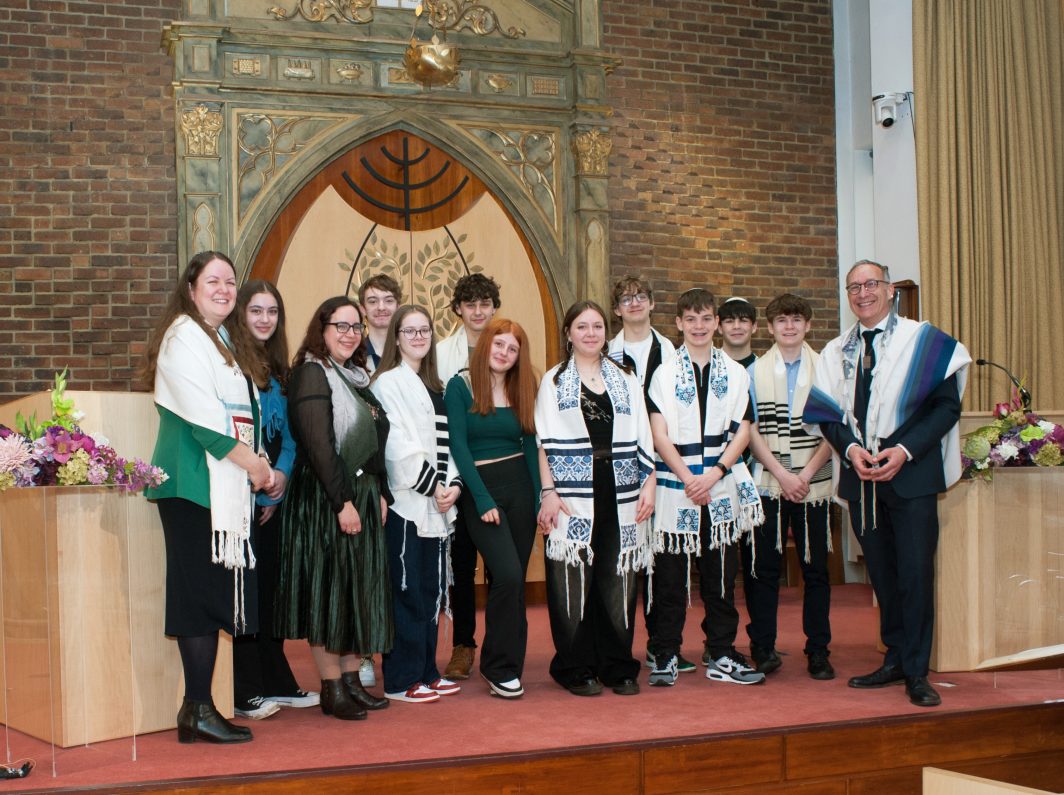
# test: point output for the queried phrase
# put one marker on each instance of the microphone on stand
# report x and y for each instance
(1025, 395)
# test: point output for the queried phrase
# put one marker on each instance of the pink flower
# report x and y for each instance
(1002, 410)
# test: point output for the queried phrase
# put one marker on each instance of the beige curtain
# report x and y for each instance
(989, 81)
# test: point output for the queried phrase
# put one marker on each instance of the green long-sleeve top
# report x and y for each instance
(179, 451)
(482, 437)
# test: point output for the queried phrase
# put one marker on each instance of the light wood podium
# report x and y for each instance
(999, 571)
(84, 657)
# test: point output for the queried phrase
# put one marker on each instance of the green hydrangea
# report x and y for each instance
(75, 471)
(976, 447)
(1049, 455)
(7, 480)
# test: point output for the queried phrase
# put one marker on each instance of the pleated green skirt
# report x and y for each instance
(334, 589)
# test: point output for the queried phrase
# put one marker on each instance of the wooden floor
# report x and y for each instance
(1019, 745)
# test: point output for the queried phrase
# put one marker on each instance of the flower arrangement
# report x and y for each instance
(58, 453)
(1016, 438)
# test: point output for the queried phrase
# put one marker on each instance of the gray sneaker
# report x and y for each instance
(664, 675)
(728, 669)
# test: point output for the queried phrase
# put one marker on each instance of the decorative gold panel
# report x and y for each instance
(531, 156)
(592, 150)
(201, 127)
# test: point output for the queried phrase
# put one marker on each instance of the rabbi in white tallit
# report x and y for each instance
(208, 442)
(887, 395)
(699, 403)
(597, 494)
(793, 476)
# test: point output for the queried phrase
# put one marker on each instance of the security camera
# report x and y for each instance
(886, 107)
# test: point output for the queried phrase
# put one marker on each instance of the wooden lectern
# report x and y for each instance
(84, 657)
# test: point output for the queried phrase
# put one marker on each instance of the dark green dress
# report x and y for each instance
(334, 588)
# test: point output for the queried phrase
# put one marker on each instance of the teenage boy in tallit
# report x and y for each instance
(475, 301)
(793, 474)
(706, 500)
(640, 346)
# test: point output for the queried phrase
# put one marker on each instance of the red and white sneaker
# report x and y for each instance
(444, 687)
(415, 694)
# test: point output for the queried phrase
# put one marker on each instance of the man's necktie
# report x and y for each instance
(864, 379)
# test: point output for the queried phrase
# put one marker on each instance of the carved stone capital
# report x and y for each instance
(592, 151)
(201, 128)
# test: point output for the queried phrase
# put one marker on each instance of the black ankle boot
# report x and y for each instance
(360, 695)
(336, 701)
(200, 720)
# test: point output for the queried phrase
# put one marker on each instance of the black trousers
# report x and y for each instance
(717, 570)
(259, 665)
(463, 589)
(506, 548)
(763, 566)
(900, 554)
(596, 643)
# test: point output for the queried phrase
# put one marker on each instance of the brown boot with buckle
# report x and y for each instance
(461, 663)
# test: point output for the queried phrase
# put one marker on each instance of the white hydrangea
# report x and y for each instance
(1007, 450)
(1048, 427)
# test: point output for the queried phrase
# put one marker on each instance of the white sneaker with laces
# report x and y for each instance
(299, 699)
(366, 675)
(257, 708)
(727, 669)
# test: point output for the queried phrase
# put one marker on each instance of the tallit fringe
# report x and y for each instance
(675, 543)
(233, 550)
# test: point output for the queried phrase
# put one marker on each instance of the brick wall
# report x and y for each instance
(722, 169)
(87, 202)
(723, 165)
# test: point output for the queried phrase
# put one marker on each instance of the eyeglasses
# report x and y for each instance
(869, 286)
(411, 333)
(638, 298)
(343, 328)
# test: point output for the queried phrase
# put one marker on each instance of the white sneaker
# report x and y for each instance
(415, 694)
(299, 699)
(728, 669)
(511, 688)
(366, 675)
(257, 708)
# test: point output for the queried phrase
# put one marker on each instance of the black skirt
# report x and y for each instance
(199, 593)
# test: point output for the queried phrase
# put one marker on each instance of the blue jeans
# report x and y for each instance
(417, 566)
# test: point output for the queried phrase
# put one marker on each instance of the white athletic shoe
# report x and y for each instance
(366, 675)
(736, 671)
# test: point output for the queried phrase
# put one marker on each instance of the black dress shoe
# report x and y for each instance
(199, 720)
(819, 667)
(920, 692)
(626, 687)
(881, 677)
(589, 687)
(359, 694)
(336, 701)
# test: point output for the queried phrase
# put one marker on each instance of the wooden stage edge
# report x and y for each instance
(1017, 745)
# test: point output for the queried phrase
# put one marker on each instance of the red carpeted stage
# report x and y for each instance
(790, 735)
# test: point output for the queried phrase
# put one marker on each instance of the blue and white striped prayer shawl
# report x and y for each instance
(914, 359)
(735, 506)
(562, 434)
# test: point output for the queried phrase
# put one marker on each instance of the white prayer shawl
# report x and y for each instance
(783, 433)
(562, 434)
(616, 349)
(912, 359)
(452, 354)
(193, 380)
(412, 450)
(735, 506)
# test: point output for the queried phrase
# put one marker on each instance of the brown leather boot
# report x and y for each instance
(359, 694)
(336, 701)
(199, 720)
(461, 663)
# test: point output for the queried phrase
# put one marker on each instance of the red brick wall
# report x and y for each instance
(723, 166)
(722, 170)
(88, 218)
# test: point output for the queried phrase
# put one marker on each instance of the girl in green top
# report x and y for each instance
(490, 413)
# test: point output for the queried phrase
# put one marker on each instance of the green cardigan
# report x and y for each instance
(179, 451)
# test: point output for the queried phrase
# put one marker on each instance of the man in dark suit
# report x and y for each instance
(886, 396)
